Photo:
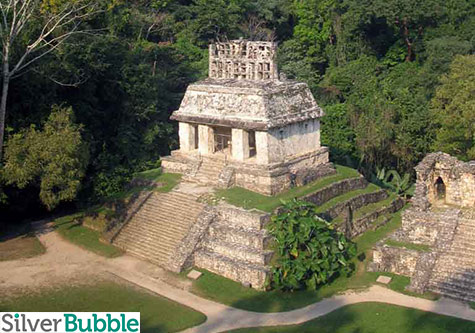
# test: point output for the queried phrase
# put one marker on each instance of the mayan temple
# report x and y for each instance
(243, 126)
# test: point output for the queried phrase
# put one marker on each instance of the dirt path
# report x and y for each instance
(66, 263)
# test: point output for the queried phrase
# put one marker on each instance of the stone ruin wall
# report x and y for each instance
(429, 221)
(241, 59)
(458, 178)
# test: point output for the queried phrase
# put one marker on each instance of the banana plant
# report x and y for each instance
(393, 180)
(310, 252)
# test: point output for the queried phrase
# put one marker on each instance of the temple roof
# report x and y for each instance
(247, 104)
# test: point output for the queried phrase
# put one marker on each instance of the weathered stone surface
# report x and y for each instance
(262, 133)
(194, 275)
(243, 59)
(252, 105)
(353, 227)
(355, 203)
(235, 246)
(182, 256)
(266, 179)
(160, 226)
(336, 189)
(384, 279)
(397, 260)
(458, 179)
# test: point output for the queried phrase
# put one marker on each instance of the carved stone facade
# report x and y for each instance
(264, 132)
(442, 221)
(241, 59)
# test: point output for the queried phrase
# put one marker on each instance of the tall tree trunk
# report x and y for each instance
(3, 102)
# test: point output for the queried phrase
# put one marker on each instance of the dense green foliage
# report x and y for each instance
(310, 252)
(453, 108)
(55, 157)
(379, 68)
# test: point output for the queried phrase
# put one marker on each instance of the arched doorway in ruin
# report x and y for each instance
(439, 189)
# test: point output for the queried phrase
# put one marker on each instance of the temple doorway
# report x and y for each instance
(440, 189)
(222, 140)
(252, 144)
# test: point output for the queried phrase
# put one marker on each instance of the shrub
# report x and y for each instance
(310, 252)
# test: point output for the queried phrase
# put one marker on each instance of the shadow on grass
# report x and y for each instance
(375, 318)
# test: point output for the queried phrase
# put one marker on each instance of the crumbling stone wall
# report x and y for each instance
(242, 59)
(457, 177)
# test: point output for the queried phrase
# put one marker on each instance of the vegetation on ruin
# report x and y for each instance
(374, 317)
(71, 228)
(241, 197)
(409, 246)
(309, 251)
(371, 188)
(165, 182)
(220, 289)
(157, 313)
(392, 89)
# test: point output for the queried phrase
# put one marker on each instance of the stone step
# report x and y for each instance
(454, 284)
(173, 202)
(235, 270)
(158, 223)
(241, 218)
(133, 239)
(166, 217)
(153, 258)
(457, 258)
(238, 252)
(157, 229)
(155, 252)
(451, 292)
(448, 274)
(258, 239)
(466, 248)
(150, 245)
(170, 234)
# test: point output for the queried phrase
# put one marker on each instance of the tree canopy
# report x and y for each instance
(383, 70)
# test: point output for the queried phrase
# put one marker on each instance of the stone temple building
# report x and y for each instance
(435, 246)
(243, 126)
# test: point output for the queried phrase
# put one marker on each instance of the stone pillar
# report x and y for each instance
(206, 139)
(186, 133)
(240, 144)
(262, 147)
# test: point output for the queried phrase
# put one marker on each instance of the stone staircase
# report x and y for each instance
(208, 172)
(235, 246)
(157, 229)
(454, 271)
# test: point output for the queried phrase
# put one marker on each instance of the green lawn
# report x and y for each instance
(238, 196)
(347, 196)
(409, 246)
(157, 314)
(228, 292)
(168, 180)
(375, 318)
(365, 210)
(370, 208)
(89, 239)
(21, 247)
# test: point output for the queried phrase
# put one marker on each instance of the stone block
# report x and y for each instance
(194, 275)
(384, 279)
